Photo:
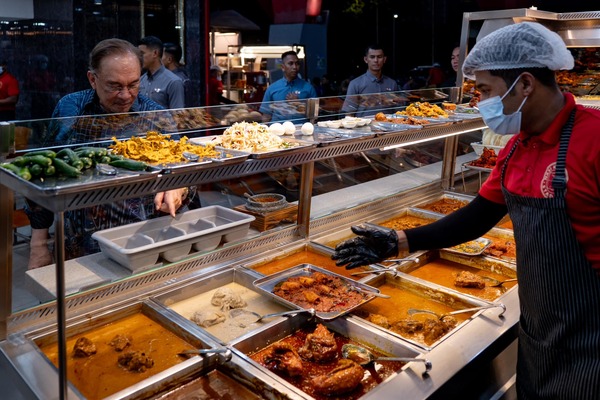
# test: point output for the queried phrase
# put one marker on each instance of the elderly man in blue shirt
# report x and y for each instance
(114, 73)
(290, 88)
(372, 81)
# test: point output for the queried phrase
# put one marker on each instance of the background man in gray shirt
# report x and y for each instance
(158, 83)
(372, 81)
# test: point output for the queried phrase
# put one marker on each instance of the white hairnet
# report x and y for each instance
(523, 45)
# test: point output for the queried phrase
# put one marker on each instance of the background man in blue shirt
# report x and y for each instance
(372, 81)
(290, 88)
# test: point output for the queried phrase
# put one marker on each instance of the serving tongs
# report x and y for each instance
(412, 311)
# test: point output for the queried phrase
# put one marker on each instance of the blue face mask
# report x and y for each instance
(492, 112)
(1, 70)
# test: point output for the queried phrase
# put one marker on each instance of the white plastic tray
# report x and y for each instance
(138, 246)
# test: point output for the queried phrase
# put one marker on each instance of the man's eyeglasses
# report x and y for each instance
(118, 88)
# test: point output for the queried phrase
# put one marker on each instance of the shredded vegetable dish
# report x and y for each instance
(160, 149)
(252, 137)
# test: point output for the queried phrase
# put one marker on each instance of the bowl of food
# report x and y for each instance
(266, 202)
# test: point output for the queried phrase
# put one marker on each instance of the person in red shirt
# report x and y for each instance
(215, 87)
(9, 93)
(548, 180)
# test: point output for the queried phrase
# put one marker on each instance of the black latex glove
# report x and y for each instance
(373, 244)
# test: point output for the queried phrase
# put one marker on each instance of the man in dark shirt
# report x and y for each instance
(171, 59)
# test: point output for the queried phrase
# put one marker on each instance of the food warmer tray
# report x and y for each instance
(468, 165)
(226, 157)
(385, 127)
(92, 178)
(300, 146)
(327, 136)
(269, 283)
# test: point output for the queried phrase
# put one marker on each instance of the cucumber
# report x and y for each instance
(36, 170)
(115, 157)
(95, 151)
(24, 173)
(71, 157)
(85, 153)
(45, 153)
(50, 170)
(104, 160)
(23, 161)
(87, 162)
(131, 165)
(63, 168)
(10, 167)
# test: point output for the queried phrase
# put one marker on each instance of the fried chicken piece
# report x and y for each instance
(468, 279)
(311, 296)
(227, 299)
(436, 328)
(345, 377)
(282, 358)
(206, 318)
(135, 361)
(120, 342)
(408, 326)
(319, 346)
(379, 320)
(84, 347)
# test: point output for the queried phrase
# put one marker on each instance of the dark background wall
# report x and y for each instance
(48, 54)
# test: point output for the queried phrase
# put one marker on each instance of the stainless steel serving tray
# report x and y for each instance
(383, 127)
(269, 283)
(226, 157)
(299, 146)
(327, 136)
(468, 165)
(55, 185)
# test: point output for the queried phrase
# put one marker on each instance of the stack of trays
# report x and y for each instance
(138, 246)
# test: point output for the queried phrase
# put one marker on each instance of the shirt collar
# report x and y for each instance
(373, 78)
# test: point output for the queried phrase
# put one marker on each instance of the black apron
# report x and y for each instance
(559, 295)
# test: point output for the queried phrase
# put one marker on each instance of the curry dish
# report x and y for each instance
(108, 370)
(445, 205)
(392, 314)
(444, 272)
(311, 359)
(324, 293)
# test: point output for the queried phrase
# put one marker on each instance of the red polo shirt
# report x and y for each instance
(9, 86)
(531, 169)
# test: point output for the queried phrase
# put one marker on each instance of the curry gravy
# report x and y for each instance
(100, 375)
(395, 308)
(443, 272)
(305, 256)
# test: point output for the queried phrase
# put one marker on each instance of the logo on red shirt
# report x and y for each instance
(546, 184)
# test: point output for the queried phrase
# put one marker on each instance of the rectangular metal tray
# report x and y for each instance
(195, 296)
(478, 245)
(301, 145)
(468, 165)
(149, 382)
(268, 284)
(226, 157)
(385, 127)
(91, 178)
(327, 136)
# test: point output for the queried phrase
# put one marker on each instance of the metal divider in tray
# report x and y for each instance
(138, 246)
(271, 283)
